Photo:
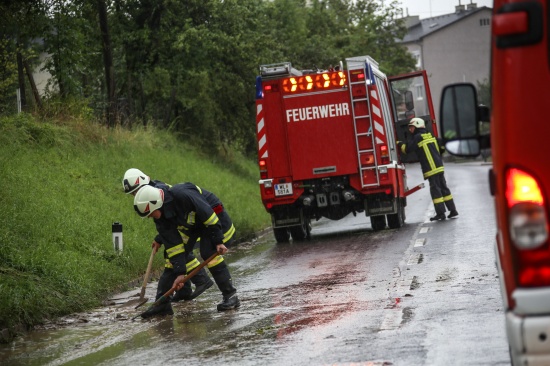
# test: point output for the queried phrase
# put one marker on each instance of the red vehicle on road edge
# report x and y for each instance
(520, 176)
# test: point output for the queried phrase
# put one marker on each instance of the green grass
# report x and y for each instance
(62, 190)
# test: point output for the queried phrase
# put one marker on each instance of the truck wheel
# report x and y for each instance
(378, 222)
(281, 234)
(395, 221)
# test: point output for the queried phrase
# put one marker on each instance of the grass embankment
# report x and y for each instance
(61, 192)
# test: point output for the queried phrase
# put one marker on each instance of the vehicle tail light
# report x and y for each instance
(528, 228)
(271, 88)
(384, 154)
(263, 169)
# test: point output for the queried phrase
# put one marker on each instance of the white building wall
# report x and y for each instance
(460, 52)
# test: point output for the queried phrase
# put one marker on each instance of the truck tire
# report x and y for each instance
(395, 221)
(378, 222)
(300, 233)
(281, 234)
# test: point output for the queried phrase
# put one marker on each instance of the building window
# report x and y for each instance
(484, 22)
(416, 55)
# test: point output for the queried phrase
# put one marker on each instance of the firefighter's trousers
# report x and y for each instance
(441, 194)
(168, 277)
(217, 267)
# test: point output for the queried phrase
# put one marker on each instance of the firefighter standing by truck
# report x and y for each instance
(427, 148)
(133, 180)
(197, 213)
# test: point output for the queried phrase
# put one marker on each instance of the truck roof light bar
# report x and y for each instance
(359, 62)
(278, 70)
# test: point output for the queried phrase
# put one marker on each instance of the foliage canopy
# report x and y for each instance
(190, 66)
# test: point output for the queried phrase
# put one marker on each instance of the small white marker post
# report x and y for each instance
(117, 237)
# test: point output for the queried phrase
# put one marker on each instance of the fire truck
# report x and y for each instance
(327, 143)
(520, 175)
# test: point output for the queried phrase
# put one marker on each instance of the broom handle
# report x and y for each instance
(147, 273)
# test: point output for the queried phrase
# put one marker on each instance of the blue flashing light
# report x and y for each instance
(370, 74)
(259, 91)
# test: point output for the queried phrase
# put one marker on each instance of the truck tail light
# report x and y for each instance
(271, 88)
(528, 228)
(384, 154)
(263, 169)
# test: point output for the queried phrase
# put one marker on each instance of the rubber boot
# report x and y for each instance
(162, 309)
(438, 217)
(454, 213)
(165, 283)
(229, 302)
(202, 283)
(183, 293)
(223, 279)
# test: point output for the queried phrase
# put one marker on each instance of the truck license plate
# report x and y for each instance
(283, 189)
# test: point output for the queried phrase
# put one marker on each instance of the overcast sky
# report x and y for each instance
(432, 8)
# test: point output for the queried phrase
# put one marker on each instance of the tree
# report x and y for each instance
(108, 62)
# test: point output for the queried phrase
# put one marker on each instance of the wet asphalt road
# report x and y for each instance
(426, 294)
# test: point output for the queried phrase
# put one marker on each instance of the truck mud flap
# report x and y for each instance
(376, 207)
(286, 218)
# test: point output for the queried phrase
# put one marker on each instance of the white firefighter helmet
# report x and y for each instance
(147, 200)
(417, 122)
(134, 179)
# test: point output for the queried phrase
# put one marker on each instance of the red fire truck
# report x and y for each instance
(520, 176)
(327, 143)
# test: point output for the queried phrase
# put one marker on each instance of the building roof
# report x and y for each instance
(418, 29)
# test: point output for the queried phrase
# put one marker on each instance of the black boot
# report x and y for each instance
(229, 302)
(223, 279)
(183, 293)
(162, 309)
(438, 217)
(202, 283)
(454, 213)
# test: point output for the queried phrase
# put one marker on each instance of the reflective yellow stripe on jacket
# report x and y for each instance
(424, 145)
(175, 250)
(212, 220)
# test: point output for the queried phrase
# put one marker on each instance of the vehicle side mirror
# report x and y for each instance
(459, 119)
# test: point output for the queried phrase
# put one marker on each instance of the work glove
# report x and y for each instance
(399, 143)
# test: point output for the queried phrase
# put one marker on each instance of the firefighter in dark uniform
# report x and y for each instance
(133, 180)
(197, 213)
(427, 148)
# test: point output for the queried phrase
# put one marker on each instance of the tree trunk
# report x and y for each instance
(108, 63)
(169, 108)
(21, 81)
(37, 98)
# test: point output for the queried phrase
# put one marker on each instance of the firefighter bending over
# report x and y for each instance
(427, 148)
(133, 180)
(197, 213)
